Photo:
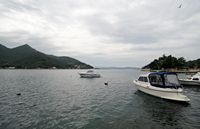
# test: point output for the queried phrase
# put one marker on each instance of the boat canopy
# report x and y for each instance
(164, 80)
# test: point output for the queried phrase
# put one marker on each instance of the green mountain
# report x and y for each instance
(170, 62)
(26, 57)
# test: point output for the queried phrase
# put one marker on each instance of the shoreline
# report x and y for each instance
(173, 70)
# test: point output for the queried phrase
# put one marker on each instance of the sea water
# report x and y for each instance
(60, 99)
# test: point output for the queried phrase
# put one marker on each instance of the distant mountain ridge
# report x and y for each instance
(26, 57)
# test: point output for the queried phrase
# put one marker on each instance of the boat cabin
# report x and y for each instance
(143, 78)
(161, 79)
(164, 80)
(90, 71)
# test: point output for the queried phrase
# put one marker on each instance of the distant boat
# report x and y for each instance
(89, 74)
(161, 84)
(192, 81)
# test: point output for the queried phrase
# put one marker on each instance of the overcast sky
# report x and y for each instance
(104, 33)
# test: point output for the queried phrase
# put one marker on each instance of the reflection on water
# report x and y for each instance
(61, 99)
(166, 113)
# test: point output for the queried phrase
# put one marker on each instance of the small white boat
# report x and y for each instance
(89, 74)
(163, 85)
(193, 81)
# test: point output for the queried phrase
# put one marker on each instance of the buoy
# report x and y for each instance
(106, 83)
(18, 94)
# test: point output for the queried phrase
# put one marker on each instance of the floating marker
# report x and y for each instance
(106, 83)
(18, 94)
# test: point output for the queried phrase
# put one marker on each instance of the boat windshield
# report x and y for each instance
(90, 71)
(156, 80)
(171, 80)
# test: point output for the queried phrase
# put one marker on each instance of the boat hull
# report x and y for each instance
(89, 75)
(170, 94)
(189, 82)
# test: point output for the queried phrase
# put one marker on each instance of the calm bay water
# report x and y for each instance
(60, 99)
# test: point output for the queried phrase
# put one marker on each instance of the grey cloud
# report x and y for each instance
(151, 24)
(10, 5)
(145, 25)
(17, 38)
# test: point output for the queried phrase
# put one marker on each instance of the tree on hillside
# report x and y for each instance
(167, 62)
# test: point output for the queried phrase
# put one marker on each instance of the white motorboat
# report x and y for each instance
(89, 74)
(163, 85)
(193, 81)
